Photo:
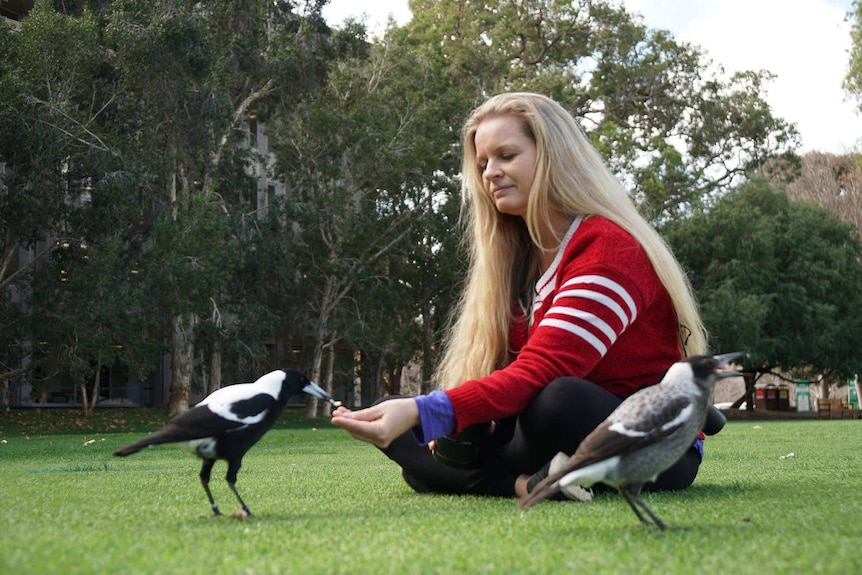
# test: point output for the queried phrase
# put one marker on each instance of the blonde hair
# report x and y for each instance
(571, 178)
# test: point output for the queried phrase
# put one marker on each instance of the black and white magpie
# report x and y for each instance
(644, 436)
(228, 422)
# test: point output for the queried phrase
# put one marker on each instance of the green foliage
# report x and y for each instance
(853, 79)
(326, 504)
(126, 126)
(670, 126)
(368, 161)
(775, 278)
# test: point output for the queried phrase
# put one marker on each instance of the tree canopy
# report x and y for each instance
(133, 180)
(777, 279)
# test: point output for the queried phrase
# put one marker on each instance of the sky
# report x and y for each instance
(804, 43)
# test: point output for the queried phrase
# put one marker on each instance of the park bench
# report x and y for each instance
(833, 408)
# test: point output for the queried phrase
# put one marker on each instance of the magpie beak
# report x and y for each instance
(315, 390)
(724, 360)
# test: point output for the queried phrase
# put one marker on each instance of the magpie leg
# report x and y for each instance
(634, 501)
(630, 500)
(232, 470)
(206, 471)
(649, 512)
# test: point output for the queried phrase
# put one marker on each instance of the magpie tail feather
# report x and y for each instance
(154, 439)
(130, 449)
(544, 489)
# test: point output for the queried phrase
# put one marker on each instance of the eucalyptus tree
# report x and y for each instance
(193, 73)
(777, 279)
(367, 162)
(670, 121)
(61, 158)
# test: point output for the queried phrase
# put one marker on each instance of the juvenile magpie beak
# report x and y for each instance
(644, 436)
(228, 422)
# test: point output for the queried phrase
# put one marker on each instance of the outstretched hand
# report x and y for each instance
(379, 424)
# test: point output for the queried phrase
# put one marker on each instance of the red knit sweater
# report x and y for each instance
(599, 313)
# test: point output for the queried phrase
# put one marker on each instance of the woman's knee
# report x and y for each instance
(568, 400)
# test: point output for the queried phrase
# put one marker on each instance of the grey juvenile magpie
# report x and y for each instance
(644, 436)
(228, 422)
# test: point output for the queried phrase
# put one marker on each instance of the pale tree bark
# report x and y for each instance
(334, 291)
(357, 379)
(88, 400)
(330, 374)
(214, 379)
(316, 363)
(182, 353)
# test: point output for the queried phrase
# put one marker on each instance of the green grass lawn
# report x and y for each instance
(325, 503)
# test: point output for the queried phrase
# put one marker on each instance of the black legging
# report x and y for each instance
(557, 419)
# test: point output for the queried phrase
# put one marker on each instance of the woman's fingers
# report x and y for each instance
(379, 424)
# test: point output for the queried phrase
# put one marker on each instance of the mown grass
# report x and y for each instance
(324, 503)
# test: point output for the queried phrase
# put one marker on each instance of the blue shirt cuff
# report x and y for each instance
(698, 445)
(436, 417)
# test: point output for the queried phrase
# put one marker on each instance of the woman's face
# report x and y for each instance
(507, 159)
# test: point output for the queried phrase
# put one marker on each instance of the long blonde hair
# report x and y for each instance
(571, 178)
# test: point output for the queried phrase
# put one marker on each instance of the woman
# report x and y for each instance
(572, 303)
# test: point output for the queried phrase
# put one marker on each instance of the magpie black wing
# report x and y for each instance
(198, 422)
(252, 407)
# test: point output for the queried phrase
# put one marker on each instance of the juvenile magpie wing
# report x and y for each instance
(649, 424)
(624, 432)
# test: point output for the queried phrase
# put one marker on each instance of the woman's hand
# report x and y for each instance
(379, 424)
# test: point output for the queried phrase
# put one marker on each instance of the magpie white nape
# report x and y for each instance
(645, 435)
(228, 422)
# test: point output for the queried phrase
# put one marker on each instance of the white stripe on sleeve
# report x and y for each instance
(609, 284)
(578, 331)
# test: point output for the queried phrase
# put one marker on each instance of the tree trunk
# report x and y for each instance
(84, 402)
(97, 384)
(215, 381)
(182, 353)
(428, 359)
(330, 375)
(393, 380)
(378, 378)
(327, 304)
(88, 401)
(750, 380)
(357, 379)
(317, 361)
